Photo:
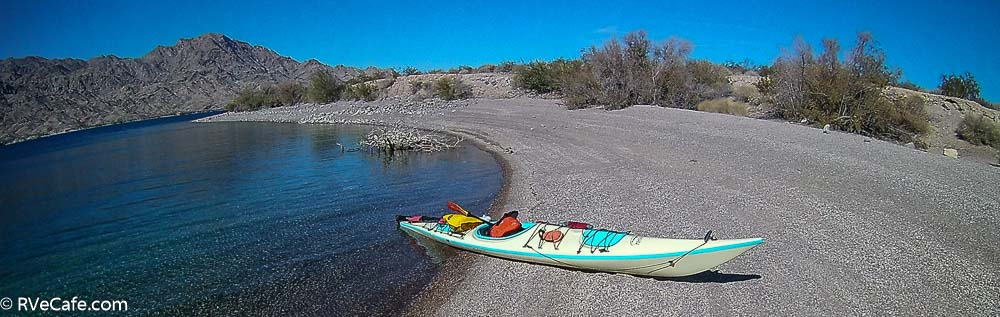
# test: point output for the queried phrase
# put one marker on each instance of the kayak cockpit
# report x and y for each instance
(483, 232)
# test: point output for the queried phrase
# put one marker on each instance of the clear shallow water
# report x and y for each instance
(182, 218)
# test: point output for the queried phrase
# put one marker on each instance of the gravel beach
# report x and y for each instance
(852, 225)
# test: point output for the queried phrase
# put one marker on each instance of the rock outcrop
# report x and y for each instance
(40, 96)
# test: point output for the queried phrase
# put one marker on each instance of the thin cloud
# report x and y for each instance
(609, 30)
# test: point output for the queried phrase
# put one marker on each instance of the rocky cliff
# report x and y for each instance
(40, 97)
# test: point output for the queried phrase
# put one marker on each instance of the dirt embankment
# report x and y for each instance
(945, 114)
(481, 85)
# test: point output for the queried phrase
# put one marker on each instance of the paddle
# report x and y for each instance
(453, 206)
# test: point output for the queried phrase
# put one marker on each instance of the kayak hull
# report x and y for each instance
(616, 252)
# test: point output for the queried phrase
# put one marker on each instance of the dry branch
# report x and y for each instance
(406, 139)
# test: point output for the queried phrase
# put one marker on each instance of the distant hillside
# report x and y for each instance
(40, 96)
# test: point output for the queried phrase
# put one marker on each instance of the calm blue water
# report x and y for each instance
(212, 219)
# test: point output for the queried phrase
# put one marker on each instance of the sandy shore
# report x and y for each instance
(852, 226)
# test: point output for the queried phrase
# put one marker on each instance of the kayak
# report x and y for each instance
(585, 248)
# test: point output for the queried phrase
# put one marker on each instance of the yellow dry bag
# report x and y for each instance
(461, 223)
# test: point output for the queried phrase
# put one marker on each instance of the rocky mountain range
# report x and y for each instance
(40, 96)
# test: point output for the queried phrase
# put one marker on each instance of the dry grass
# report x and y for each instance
(980, 130)
(748, 94)
(724, 105)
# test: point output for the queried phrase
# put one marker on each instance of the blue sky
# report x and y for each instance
(924, 38)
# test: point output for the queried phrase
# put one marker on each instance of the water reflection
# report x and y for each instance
(222, 218)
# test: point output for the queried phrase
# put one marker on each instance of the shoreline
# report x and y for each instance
(676, 173)
(456, 267)
(42, 137)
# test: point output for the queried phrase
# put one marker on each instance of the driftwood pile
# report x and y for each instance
(407, 139)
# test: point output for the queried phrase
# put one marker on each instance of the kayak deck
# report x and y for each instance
(592, 249)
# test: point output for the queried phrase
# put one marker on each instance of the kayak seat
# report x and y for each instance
(484, 232)
(601, 238)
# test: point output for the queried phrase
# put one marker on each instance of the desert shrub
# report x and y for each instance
(417, 86)
(910, 85)
(630, 71)
(672, 79)
(361, 91)
(367, 77)
(765, 86)
(506, 67)
(543, 77)
(710, 80)
(748, 94)
(451, 88)
(846, 94)
(607, 65)
(579, 87)
(962, 86)
(921, 143)
(765, 71)
(422, 89)
(486, 68)
(324, 87)
(980, 130)
(410, 70)
(251, 99)
(463, 69)
(903, 120)
(744, 67)
(536, 76)
(724, 105)
(624, 71)
(291, 93)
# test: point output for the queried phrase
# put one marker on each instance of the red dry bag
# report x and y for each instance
(506, 226)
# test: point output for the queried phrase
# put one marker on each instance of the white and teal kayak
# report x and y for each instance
(592, 249)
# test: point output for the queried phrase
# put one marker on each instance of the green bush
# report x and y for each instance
(846, 94)
(361, 91)
(980, 130)
(410, 70)
(724, 105)
(291, 93)
(536, 76)
(251, 99)
(544, 77)
(324, 87)
(961, 86)
(451, 88)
